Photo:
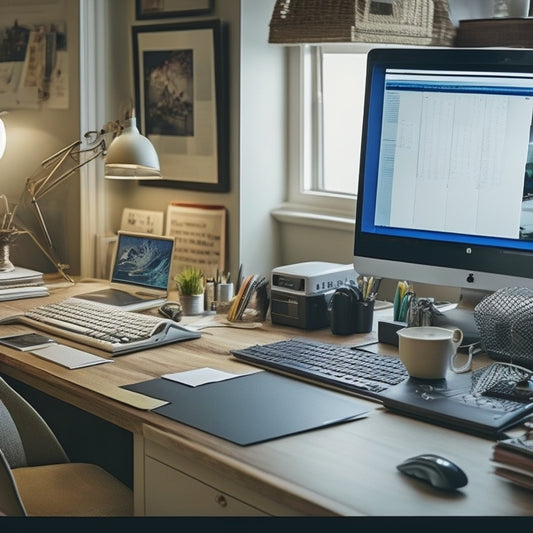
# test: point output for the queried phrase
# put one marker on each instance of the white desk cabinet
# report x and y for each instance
(174, 477)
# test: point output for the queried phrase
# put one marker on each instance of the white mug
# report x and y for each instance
(428, 351)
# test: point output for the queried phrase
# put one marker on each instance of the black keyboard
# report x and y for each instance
(349, 369)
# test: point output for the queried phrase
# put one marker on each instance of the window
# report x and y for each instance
(327, 99)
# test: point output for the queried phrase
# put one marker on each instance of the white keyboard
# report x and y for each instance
(103, 326)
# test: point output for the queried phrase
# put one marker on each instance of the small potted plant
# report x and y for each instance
(190, 283)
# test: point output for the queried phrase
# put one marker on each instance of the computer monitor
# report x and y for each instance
(445, 191)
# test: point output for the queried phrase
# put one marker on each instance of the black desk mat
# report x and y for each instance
(252, 408)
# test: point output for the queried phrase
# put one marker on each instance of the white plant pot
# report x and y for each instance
(192, 304)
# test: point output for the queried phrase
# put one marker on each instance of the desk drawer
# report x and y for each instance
(170, 492)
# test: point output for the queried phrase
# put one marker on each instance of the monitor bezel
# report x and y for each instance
(457, 264)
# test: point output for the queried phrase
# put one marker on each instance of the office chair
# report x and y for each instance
(38, 479)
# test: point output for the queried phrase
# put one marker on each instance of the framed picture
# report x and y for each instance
(181, 102)
(155, 9)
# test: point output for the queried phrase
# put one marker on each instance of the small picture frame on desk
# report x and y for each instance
(181, 102)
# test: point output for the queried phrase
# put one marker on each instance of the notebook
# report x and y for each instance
(140, 272)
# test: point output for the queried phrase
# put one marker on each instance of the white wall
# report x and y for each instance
(35, 134)
(256, 77)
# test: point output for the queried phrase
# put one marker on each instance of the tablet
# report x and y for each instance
(27, 341)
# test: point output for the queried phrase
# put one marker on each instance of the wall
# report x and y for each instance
(256, 78)
(258, 144)
(35, 134)
(257, 91)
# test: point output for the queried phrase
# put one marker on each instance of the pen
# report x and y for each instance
(401, 289)
(369, 285)
(404, 306)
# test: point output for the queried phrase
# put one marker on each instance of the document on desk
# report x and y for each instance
(69, 357)
(201, 376)
(252, 408)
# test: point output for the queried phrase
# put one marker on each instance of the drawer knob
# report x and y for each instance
(221, 500)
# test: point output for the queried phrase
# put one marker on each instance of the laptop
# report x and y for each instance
(140, 272)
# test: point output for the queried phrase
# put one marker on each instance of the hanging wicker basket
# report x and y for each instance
(417, 22)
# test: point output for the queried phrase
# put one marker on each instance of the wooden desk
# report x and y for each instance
(349, 469)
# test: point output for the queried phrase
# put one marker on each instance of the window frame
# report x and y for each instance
(304, 118)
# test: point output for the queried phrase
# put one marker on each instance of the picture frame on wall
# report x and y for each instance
(155, 9)
(181, 102)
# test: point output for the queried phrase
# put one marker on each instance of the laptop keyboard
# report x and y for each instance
(349, 369)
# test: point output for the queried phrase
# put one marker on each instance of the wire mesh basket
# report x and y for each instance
(505, 323)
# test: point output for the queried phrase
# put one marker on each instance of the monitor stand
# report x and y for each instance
(462, 316)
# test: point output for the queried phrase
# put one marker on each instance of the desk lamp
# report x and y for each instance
(129, 156)
(3, 137)
(5, 264)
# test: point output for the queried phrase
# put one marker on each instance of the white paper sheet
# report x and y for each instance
(69, 357)
(200, 376)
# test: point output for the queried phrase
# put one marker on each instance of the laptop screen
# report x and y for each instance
(143, 261)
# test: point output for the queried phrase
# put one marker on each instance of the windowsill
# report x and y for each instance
(313, 217)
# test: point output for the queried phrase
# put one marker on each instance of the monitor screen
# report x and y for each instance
(446, 175)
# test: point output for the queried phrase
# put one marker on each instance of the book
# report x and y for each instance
(18, 293)
(22, 283)
(20, 276)
(517, 446)
(516, 476)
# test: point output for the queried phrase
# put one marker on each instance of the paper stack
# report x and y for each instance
(514, 460)
(22, 283)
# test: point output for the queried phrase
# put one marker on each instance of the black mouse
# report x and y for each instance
(172, 310)
(439, 472)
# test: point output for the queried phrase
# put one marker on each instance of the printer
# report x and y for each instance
(300, 292)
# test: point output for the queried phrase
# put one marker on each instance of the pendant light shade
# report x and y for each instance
(131, 156)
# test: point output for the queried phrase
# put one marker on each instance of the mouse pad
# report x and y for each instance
(252, 408)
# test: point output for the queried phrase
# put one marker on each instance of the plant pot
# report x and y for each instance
(192, 304)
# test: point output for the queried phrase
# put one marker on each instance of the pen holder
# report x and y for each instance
(364, 316)
(224, 292)
(348, 314)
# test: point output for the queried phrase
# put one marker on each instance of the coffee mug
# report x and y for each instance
(428, 351)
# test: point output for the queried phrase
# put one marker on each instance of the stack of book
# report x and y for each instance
(22, 283)
(513, 458)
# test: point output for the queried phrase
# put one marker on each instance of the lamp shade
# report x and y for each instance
(131, 156)
(2, 138)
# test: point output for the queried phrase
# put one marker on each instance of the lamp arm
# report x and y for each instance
(46, 186)
(33, 186)
(58, 264)
(38, 185)
(42, 223)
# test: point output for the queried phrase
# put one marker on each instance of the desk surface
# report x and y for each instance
(348, 469)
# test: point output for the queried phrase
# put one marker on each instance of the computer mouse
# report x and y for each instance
(172, 310)
(439, 472)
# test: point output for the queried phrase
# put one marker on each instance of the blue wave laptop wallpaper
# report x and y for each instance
(143, 260)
